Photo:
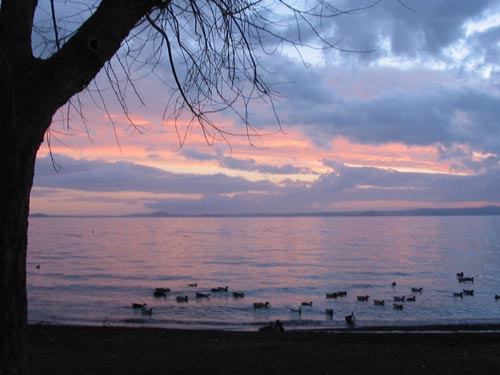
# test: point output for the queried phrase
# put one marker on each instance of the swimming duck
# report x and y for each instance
(202, 295)
(350, 319)
(341, 293)
(220, 289)
(465, 279)
(138, 305)
(378, 302)
(458, 294)
(468, 292)
(363, 298)
(307, 303)
(397, 306)
(399, 299)
(297, 310)
(332, 295)
(393, 284)
(147, 311)
(181, 298)
(193, 285)
(411, 299)
(238, 294)
(157, 293)
(161, 292)
(417, 290)
(260, 305)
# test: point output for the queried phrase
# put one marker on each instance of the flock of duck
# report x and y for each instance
(163, 292)
(350, 319)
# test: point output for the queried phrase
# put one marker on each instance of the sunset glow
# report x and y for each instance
(412, 124)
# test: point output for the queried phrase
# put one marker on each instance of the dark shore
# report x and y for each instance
(55, 349)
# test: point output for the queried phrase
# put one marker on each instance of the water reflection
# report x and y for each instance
(111, 262)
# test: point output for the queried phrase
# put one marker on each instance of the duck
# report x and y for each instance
(181, 298)
(332, 295)
(193, 285)
(296, 310)
(37, 266)
(411, 299)
(329, 312)
(399, 298)
(458, 294)
(378, 302)
(261, 305)
(273, 327)
(393, 284)
(341, 293)
(363, 298)
(497, 296)
(238, 294)
(465, 279)
(220, 289)
(307, 303)
(161, 292)
(417, 290)
(468, 292)
(138, 305)
(350, 319)
(202, 295)
(147, 311)
(397, 306)
(158, 293)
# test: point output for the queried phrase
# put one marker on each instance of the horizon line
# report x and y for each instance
(424, 211)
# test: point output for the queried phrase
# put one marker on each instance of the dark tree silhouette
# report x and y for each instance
(210, 47)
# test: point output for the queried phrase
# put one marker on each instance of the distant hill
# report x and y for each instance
(154, 214)
(486, 210)
(473, 211)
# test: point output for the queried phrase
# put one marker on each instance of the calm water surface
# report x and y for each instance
(93, 269)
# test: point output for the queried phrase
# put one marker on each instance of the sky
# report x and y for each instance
(404, 113)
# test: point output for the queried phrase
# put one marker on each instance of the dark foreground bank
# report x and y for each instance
(75, 350)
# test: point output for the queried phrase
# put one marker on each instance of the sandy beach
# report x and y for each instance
(57, 349)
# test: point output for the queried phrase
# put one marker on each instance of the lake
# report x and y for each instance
(93, 269)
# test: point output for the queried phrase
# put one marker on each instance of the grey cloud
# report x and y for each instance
(484, 51)
(426, 31)
(252, 165)
(348, 184)
(244, 164)
(429, 116)
(222, 194)
(372, 184)
(198, 155)
(122, 176)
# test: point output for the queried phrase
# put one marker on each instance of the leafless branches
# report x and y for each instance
(214, 50)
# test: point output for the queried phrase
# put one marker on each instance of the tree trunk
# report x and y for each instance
(31, 91)
(19, 142)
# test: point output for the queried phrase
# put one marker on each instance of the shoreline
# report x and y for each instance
(410, 328)
(458, 349)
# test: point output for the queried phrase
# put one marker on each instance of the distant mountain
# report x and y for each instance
(470, 211)
(154, 214)
(473, 211)
(486, 210)
(39, 215)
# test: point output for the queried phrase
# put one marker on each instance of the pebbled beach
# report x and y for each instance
(58, 349)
